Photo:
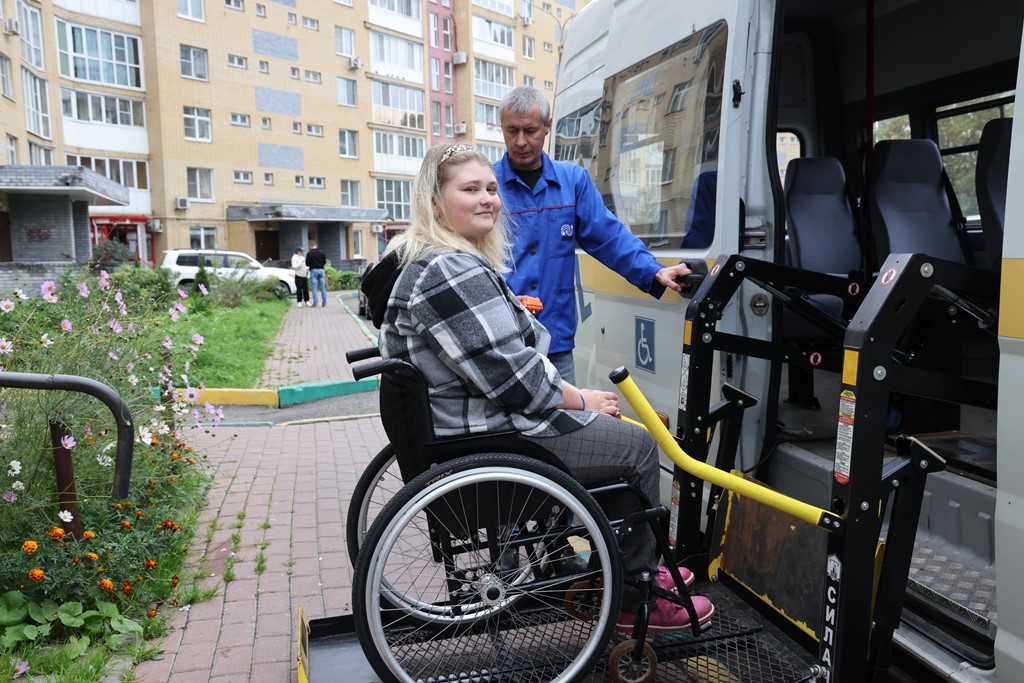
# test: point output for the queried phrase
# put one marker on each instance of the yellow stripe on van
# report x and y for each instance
(1011, 317)
(603, 280)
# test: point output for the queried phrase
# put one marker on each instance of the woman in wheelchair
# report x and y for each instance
(482, 354)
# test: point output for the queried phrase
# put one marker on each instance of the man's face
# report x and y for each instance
(524, 139)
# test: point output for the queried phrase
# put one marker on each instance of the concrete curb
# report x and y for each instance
(302, 393)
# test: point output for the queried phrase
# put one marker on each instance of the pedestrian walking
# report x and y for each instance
(301, 277)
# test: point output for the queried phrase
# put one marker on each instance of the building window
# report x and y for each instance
(200, 184)
(295, 72)
(12, 150)
(343, 2)
(678, 97)
(240, 120)
(37, 104)
(265, 123)
(261, 10)
(312, 76)
(435, 73)
(487, 115)
(191, 9)
(530, 81)
(395, 197)
(547, 46)
(396, 51)
(317, 182)
(202, 238)
(234, 4)
(357, 244)
(668, 165)
(99, 56)
(492, 152)
(527, 11)
(268, 178)
(315, 129)
(102, 108)
(398, 145)
(490, 31)
(193, 63)
(31, 35)
(311, 23)
(39, 155)
(446, 33)
(350, 193)
(409, 8)
(197, 124)
(299, 181)
(492, 80)
(397, 105)
(238, 61)
(346, 92)
(448, 79)
(501, 6)
(435, 118)
(449, 120)
(344, 41)
(292, 18)
(131, 173)
(548, 85)
(243, 177)
(348, 143)
(5, 77)
(434, 31)
(264, 66)
(529, 47)
(297, 127)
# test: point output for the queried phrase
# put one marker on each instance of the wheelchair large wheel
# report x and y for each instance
(378, 484)
(431, 600)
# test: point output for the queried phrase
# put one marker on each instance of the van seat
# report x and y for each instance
(990, 185)
(822, 229)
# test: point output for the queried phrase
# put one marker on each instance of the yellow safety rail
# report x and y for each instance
(744, 487)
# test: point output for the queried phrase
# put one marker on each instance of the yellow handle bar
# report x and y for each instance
(744, 487)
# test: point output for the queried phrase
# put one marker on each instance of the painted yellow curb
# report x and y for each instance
(239, 397)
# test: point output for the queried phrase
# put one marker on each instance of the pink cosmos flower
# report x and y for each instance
(83, 290)
(65, 325)
(10, 496)
(48, 287)
(46, 341)
(174, 315)
(6, 305)
(20, 667)
(20, 294)
(6, 346)
(115, 326)
(68, 442)
(52, 298)
(202, 288)
(198, 339)
(182, 294)
(191, 394)
(112, 355)
(180, 306)
(167, 343)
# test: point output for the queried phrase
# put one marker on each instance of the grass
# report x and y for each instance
(237, 343)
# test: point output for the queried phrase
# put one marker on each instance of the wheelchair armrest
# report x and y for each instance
(362, 354)
(387, 367)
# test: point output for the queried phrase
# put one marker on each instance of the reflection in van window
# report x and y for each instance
(658, 140)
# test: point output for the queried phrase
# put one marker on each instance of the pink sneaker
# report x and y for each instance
(668, 616)
(666, 582)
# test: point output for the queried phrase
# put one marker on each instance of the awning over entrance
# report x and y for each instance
(304, 212)
(76, 182)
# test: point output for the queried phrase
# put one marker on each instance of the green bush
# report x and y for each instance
(115, 331)
(341, 279)
(112, 251)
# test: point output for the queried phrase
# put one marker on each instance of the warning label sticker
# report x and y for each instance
(673, 521)
(844, 435)
(684, 381)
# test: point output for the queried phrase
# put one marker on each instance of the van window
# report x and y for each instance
(657, 153)
(892, 128)
(958, 127)
(787, 147)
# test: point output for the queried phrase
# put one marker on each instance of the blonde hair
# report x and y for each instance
(429, 230)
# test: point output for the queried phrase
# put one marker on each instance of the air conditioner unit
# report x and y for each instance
(460, 58)
(377, 228)
(181, 203)
(355, 63)
(155, 225)
(12, 27)
(527, 20)
(461, 128)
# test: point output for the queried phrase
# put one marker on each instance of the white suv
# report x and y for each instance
(232, 265)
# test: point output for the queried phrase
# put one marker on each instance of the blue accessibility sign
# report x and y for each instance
(644, 328)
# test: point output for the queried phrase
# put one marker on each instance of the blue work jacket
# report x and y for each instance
(564, 209)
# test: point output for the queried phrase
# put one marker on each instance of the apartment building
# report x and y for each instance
(254, 126)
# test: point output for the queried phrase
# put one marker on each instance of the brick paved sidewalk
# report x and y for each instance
(284, 490)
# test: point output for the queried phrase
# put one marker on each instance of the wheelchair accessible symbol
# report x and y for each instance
(644, 329)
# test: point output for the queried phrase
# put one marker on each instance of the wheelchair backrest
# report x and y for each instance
(405, 414)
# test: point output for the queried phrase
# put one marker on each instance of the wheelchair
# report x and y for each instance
(461, 553)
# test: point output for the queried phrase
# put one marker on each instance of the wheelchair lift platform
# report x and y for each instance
(739, 647)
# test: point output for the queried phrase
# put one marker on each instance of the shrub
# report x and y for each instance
(112, 251)
(341, 279)
(127, 559)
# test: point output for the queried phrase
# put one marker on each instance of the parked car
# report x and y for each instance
(233, 265)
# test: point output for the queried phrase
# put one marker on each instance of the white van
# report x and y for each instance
(805, 149)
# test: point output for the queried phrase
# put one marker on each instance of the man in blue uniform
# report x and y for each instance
(552, 206)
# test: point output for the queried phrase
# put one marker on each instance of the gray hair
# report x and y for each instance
(525, 99)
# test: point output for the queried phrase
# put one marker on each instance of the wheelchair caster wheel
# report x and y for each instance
(583, 600)
(626, 667)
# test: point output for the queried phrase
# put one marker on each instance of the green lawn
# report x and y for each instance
(236, 343)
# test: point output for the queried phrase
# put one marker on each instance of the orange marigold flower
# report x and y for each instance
(138, 513)
(152, 482)
(30, 547)
(129, 503)
(93, 556)
(175, 456)
(149, 564)
(118, 506)
(89, 438)
(75, 562)
(126, 588)
(88, 535)
(167, 524)
(99, 570)
(151, 613)
(174, 480)
(126, 524)
(107, 584)
(56, 533)
(174, 581)
(37, 574)
(190, 461)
